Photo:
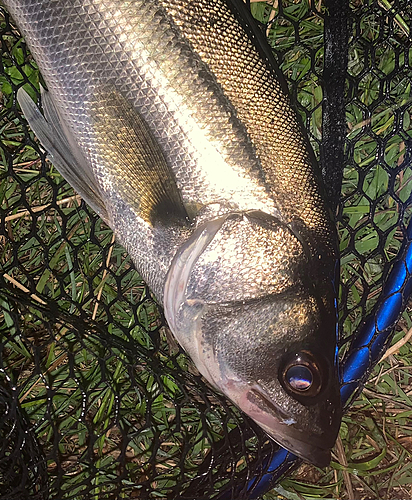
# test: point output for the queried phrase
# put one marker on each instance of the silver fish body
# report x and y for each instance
(169, 118)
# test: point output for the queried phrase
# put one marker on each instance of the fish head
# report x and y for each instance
(257, 314)
(268, 362)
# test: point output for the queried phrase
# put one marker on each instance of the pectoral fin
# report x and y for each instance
(63, 152)
(132, 159)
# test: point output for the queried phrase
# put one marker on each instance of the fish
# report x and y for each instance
(173, 122)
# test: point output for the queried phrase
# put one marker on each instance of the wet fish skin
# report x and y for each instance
(171, 121)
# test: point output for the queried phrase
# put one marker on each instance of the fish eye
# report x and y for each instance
(299, 377)
(302, 375)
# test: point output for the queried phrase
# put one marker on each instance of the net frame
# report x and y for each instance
(48, 314)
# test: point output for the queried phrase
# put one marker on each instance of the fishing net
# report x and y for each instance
(96, 399)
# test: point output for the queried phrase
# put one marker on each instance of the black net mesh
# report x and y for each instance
(96, 399)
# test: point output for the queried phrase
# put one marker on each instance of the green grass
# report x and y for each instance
(115, 384)
(375, 460)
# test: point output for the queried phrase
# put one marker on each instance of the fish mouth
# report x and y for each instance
(311, 447)
(307, 451)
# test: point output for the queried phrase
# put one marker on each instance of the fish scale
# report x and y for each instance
(255, 95)
(170, 118)
(276, 261)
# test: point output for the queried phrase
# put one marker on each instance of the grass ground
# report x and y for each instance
(73, 386)
(372, 458)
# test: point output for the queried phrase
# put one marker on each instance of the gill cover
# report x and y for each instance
(256, 313)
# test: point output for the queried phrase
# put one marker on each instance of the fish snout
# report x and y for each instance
(310, 434)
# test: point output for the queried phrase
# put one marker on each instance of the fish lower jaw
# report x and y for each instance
(281, 428)
(308, 452)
